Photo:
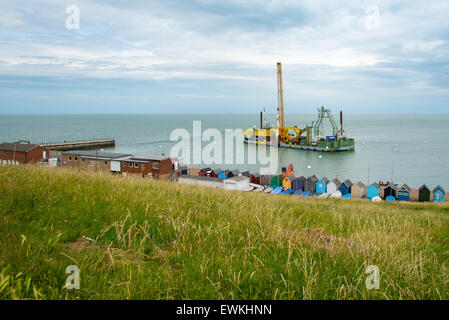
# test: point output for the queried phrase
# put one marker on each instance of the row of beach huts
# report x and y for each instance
(308, 186)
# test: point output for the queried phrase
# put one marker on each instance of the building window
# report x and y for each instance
(70, 158)
(83, 160)
(76, 158)
(136, 165)
(130, 164)
(124, 164)
(105, 162)
(156, 165)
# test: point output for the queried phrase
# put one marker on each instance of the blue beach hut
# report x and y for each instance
(345, 187)
(321, 185)
(438, 194)
(222, 174)
(404, 193)
(298, 184)
(373, 191)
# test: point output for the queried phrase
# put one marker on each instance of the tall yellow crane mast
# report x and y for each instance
(280, 120)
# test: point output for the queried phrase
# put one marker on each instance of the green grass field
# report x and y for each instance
(162, 240)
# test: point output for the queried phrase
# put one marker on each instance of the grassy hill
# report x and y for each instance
(161, 240)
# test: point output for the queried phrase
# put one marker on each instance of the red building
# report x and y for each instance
(17, 153)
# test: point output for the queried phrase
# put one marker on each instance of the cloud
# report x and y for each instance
(322, 44)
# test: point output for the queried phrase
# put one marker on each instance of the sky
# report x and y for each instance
(204, 56)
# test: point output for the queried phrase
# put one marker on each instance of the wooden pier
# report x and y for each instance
(83, 144)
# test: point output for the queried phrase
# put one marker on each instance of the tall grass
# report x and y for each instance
(162, 240)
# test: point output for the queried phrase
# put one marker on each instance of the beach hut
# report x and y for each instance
(245, 173)
(390, 190)
(275, 181)
(265, 179)
(223, 174)
(438, 194)
(373, 191)
(403, 193)
(233, 173)
(254, 178)
(424, 193)
(311, 184)
(321, 185)
(298, 184)
(358, 190)
(214, 173)
(332, 186)
(194, 171)
(286, 183)
(345, 187)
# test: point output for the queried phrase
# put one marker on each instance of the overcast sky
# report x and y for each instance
(220, 56)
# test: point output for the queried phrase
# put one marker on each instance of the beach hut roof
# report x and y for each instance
(245, 173)
(423, 187)
(440, 188)
(336, 181)
(313, 178)
(302, 178)
(392, 186)
(292, 178)
(406, 187)
(256, 174)
(348, 183)
(235, 172)
(375, 184)
(325, 180)
(361, 184)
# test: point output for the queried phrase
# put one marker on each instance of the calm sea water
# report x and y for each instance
(411, 149)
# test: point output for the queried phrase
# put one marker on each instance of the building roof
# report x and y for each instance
(336, 181)
(236, 179)
(376, 185)
(291, 178)
(201, 178)
(96, 154)
(360, 184)
(325, 180)
(348, 182)
(438, 188)
(235, 172)
(18, 147)
(312, 178)
(391, 186)
(405, 186)
(423, 187)
(150, 157)
(255, 174)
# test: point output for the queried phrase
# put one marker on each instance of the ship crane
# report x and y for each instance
(286, 134)
(323, 114)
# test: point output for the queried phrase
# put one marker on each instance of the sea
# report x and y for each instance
(411, 149)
